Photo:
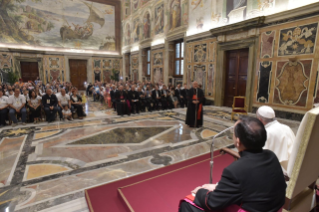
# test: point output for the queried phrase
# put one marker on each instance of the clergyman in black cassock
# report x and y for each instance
(194, 115)
(254, 183)
(121, 102)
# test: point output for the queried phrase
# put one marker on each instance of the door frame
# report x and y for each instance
(89, 67)
(28, 58)
(220, 80)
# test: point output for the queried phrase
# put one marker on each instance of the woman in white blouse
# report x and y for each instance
(3, 108)
(34, 103)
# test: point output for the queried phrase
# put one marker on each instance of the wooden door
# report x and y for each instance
(78, 73)
(29, 71)
(236, 75)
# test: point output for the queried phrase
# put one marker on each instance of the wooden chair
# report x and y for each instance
(239, 106)
(302, 171)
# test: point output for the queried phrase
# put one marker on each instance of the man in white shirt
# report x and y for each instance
(63, 99)
(280, 137)
(17, 105)
(3, 108)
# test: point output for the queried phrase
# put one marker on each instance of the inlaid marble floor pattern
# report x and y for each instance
(47, 167)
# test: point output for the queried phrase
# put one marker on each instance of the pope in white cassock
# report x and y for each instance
(280, 137)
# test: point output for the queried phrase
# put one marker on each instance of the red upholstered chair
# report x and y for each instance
(239, 106)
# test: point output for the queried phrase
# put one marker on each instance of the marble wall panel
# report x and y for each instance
(267, 44)
(298, 40)
(292, 82)
(264, 77)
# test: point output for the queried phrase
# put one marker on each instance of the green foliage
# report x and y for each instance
(11, 8)
(18, 19)
(12, 77)
(50, 25)
(115, 75)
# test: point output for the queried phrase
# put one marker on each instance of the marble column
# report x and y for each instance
(140, 64)
(166, 62)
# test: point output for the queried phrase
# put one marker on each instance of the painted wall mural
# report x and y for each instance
(158, 75)
(298, 40)
(6, 65)
(126, 8)
(200, 53)
(146, 25)
(292, 82)
(158, 58)
(200, 75)
(267, 44)
(71, 24)
(54, 68)
(106, 75)
(159, 19)
(136, 30)
(264, 78)
(175, 14)
(102, 68)
(127, 36)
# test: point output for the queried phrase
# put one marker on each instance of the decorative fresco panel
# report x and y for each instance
(55, 75)
(158, 75)
(200, 75)
(298, 40)
(134, 62)
(107, 75)
(97, 64)
(267, 44)
(200, 53)
(189, 54)
(135, 4)
(264, 79)
(136, 30)
(54, 62)
(5, 62)
(116, 64)
(97, 75)
(107, 64)
(211, 52)
(158, 59)
(127, 35)
(175, 13)
(292, 82)
(189, 74)
(126, 8)
(71, 24)
(146, 25)
(159, 19)
(210, 77)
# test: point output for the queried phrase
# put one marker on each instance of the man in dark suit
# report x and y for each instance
(50, 104)
(165, 95)
(255, 182)
(156, 96)
(135, 100)
(113, 99)
(180, 96)
(185, 94)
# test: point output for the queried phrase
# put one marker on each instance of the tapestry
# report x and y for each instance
(298, 40)
(264, 79)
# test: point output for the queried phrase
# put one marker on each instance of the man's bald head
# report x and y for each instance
(195, 84)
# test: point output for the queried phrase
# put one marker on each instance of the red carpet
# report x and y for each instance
(160, 193)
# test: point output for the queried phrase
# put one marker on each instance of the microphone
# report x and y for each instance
(212, 152)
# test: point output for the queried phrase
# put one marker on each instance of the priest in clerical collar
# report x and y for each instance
(194, 115)
(254, 183)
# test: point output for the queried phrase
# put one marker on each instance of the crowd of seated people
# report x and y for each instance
(35, 101)
(134, 97)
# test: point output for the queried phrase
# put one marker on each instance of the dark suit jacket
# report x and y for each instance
(134, 95)
(118, 96)
(255, 182)
(154, 94)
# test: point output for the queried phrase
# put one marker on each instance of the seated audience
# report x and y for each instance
(173, 99)
(255, 182)
(180, 96)
(50, 104)
(4, 105)
(135, 100)
(280, 137)
(34, 104)
(17, 106)
(63, 100)
(122, 102)
(76, 102)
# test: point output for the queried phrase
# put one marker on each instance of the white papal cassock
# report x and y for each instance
(280, 139)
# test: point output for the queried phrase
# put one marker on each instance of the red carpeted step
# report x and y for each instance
(180, 177)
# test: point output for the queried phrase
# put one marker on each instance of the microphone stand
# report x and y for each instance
(212, 153)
